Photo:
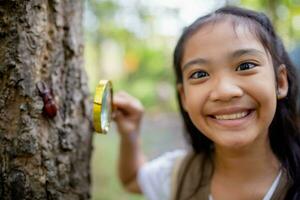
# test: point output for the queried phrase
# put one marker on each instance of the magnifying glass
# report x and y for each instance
(103, 106)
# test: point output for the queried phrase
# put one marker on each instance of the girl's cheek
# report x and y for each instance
(195, 99)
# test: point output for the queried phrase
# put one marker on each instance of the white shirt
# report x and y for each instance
(154, 178)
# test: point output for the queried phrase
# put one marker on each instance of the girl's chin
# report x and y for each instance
(235, 144)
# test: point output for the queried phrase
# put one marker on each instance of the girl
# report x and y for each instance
(237, 93)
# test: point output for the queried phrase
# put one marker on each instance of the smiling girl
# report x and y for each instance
(237, 93)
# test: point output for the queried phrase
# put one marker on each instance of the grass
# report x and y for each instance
(160, 133)
(106, 185)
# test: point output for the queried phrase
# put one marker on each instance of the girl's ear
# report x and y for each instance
(282, 82)
(182, 95)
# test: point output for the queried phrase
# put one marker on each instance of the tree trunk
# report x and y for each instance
(43, 157)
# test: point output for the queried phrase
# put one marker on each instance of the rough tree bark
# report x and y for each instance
(42, 157)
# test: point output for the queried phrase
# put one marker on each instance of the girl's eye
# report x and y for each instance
(199, 74)
(245, 66)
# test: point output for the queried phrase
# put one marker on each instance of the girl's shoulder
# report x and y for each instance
(154, 177)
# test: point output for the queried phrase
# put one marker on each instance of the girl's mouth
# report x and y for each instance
(232, 116)
(234, 119)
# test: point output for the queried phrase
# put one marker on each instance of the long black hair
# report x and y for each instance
(284, 134)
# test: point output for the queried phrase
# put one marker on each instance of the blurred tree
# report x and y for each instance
(43, 157)
(146, 58)
(285, 15)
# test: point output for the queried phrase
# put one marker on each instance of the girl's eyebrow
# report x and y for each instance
(235, 54)
(241, 52)
(197, 61)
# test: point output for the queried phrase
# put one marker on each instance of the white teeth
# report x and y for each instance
(231, 116)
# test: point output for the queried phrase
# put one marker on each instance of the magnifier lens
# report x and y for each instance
(106, 109)
(103, 106)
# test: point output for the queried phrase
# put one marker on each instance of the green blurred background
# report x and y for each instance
(131, 43)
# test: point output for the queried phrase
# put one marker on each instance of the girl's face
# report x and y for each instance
(229, 86)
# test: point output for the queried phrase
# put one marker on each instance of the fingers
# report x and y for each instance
(126, 106)
(127, 114)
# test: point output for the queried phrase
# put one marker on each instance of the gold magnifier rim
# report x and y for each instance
(98, 102)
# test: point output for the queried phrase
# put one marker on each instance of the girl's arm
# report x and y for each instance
(128, 117)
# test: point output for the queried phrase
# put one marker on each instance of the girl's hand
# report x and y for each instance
(128, 113)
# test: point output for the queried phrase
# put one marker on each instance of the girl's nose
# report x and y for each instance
(225, 89)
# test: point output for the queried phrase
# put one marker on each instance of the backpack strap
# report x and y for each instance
(284, 183)
(175, 176)
(191, 175)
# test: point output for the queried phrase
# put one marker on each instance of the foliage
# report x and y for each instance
(146, 63)
(285, 15)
